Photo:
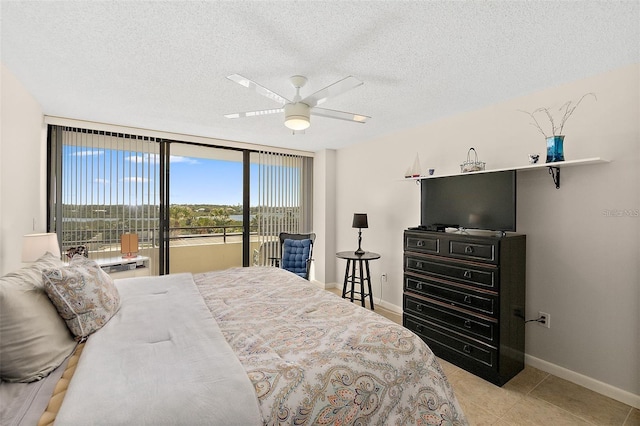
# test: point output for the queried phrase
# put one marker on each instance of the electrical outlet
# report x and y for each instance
(383, 277)
(545, 319)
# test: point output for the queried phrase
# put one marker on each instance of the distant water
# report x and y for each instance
(238, 217)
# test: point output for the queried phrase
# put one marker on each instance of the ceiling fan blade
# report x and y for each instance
(250, 84)
(340, 115)
(335, 89)
(254, 113)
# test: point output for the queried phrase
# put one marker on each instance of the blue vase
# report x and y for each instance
(555, 150)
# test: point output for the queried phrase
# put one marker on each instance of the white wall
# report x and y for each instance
(22, 170)
(582, 265)
(324, 210)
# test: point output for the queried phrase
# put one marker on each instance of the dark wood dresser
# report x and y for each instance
(464, 295)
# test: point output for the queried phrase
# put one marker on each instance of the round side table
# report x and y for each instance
(357, 272)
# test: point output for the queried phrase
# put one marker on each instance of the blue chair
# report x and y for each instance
(297, 250)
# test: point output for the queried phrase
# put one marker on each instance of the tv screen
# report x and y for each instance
(476, 201)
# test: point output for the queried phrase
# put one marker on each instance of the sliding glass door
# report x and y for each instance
(281, 193)
(205, 210)
(190, 207)
(103, 185)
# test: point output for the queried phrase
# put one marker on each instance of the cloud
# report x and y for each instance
(144, 158)
(135, 179)
(89, 153)
(179, 159)
(155, 159)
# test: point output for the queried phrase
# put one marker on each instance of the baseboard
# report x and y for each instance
(322, 285)
(584, 381)
(561, 372)
(388, 306)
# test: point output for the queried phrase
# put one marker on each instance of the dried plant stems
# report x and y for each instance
(567, 110)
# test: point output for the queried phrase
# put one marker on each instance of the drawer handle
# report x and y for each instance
(467, 349)
(467, 324)
(467, 299)
(468, 249)
(467, 274)
(419, 286)
(418, 328)
(419, 265)
(419, 308)
(420, 243)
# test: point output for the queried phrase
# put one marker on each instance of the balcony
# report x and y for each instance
(192, 249)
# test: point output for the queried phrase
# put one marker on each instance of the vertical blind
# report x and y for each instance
(284, 194)
(103, 184)
(107, 185)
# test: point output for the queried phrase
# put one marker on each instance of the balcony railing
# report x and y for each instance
(205, 231)
(108, 240)
(193, 249)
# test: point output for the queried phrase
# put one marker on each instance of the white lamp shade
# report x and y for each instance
(297, 123)
(35, 245)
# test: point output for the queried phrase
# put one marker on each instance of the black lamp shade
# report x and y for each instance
(360, 220)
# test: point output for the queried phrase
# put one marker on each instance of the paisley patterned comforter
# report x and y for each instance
(316, 359)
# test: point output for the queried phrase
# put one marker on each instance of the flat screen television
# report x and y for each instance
(474, 201)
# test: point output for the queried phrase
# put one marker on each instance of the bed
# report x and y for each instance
(242, 346)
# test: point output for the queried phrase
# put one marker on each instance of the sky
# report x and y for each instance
(205, 181)
(105, 176)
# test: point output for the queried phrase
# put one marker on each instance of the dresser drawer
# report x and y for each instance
(466, 324)
(473, 250)
(476, 275)
(437, 338)
(422, 243)
(455, 296)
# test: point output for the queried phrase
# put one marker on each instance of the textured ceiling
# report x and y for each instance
(162, 65)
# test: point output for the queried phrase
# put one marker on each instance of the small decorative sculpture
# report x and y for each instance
(81, 250)
(533, 158)
(416, 170)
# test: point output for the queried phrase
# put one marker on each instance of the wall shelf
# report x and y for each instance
(554, 169)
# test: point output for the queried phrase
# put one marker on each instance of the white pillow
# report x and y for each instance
(34, 340)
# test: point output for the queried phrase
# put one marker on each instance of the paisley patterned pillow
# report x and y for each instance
(83, 294)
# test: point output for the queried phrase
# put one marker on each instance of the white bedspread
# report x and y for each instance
(161, 360)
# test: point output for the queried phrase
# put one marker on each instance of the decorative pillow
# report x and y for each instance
(83, 294)
(34, 340)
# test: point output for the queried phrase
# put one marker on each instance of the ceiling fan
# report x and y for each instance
(297, 111)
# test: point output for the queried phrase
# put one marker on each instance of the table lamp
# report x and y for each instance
(35, 245)
(360, 221)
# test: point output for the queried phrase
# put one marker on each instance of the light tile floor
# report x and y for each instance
(532, 398)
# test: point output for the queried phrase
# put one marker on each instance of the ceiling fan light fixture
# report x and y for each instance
(296, 116)
(297, 111)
